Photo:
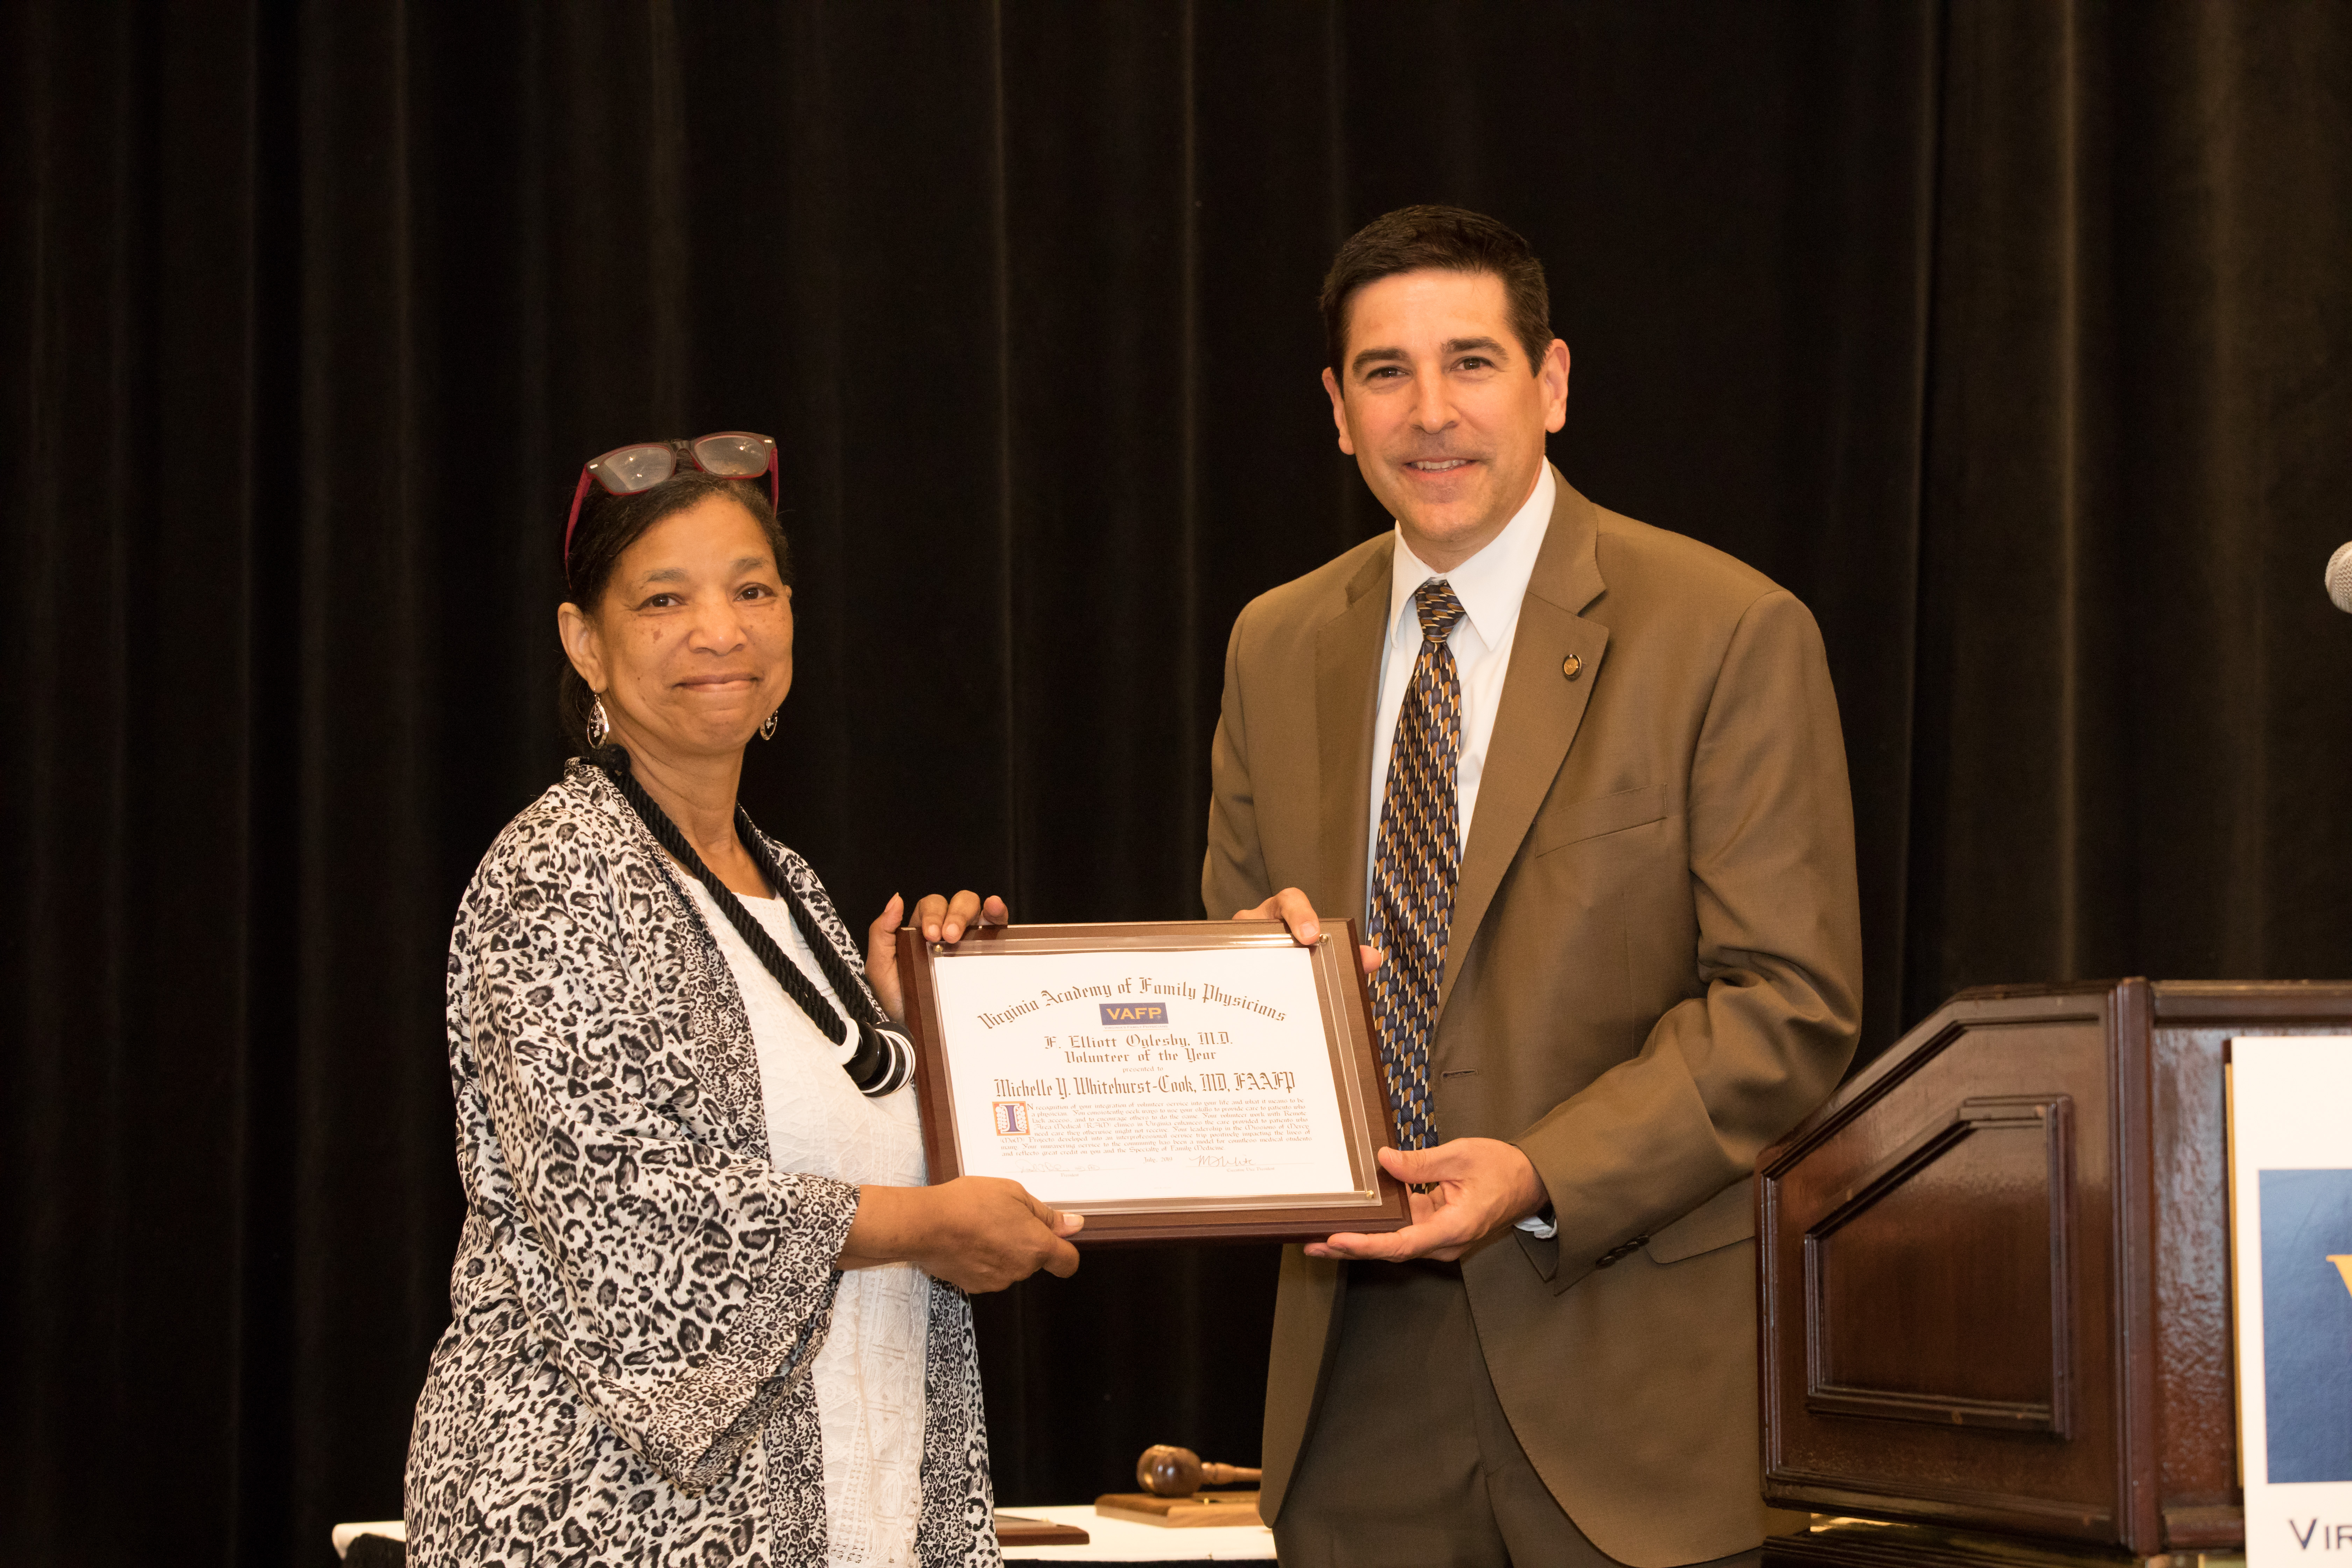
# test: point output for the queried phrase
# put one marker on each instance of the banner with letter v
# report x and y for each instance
(2291, 1263)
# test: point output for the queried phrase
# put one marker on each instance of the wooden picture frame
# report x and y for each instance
(1375, 1202)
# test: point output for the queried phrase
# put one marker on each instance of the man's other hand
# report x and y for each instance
(1482, 1184)
(1291, 908)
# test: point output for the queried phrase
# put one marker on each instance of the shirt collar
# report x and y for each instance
(1490, 584)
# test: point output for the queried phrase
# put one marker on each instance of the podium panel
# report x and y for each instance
(1994, 1277)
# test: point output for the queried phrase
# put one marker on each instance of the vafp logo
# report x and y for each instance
(1134, 1012)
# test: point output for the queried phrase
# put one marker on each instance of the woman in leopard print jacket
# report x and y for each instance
(704, 1310)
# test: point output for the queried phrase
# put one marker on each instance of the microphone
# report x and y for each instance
(2339, 578)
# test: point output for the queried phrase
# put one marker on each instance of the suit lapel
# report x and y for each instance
(1538, 718)
(1347, 700)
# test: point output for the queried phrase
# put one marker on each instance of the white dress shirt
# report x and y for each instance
(1490, 585)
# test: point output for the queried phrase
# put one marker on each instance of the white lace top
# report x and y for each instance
(870, 1372)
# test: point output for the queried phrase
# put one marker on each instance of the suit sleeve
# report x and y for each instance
(1232, 872)
(1726, 1072)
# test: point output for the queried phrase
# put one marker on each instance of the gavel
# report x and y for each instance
(1167, 1471)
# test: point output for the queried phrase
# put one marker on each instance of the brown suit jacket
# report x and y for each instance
(1653, 970)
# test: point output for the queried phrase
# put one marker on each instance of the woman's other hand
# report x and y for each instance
(977, 1232)
(940, 919)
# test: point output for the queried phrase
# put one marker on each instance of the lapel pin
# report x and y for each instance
(1571, 667)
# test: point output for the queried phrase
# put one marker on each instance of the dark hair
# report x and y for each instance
(609, 524)
(1452, 240)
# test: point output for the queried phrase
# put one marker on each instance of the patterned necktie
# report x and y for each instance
(1414, 870)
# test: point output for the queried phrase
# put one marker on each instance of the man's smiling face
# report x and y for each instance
(1441, 409)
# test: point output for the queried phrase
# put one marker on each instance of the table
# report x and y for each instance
(1114, 1539)
(1121, 1540)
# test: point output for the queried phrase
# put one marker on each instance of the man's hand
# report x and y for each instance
(1291, 908)
(1482, 1185)
(941, 918)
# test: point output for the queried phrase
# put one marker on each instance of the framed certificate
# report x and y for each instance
(1178, 1080)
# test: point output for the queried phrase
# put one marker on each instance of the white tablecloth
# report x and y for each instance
(347, 1533)
(1113, 1540)
(1121, 1540)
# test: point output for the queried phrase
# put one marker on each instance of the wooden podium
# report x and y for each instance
(1995, 1283)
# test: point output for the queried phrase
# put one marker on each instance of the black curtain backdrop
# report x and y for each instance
(2013, 335)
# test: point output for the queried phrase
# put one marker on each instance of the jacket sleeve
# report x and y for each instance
(677, 1285)
(1724, 1073)
(1232, 872)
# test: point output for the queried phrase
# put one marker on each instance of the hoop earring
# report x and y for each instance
(599, 727)
(768, 729)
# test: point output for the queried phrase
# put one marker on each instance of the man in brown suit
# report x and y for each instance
(1592, 775)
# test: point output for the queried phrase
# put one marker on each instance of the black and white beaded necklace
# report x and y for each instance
(885, 1058)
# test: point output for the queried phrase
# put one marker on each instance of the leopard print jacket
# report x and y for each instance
(638, 1296)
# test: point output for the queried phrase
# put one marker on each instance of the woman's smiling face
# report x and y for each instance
(691, 648)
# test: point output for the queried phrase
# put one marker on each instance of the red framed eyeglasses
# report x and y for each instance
(626, 470)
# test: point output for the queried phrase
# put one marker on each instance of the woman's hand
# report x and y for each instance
(942, 919)
(977, 1232)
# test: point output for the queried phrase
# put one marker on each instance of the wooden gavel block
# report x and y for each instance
(1170, 1479)
(1168, 1471)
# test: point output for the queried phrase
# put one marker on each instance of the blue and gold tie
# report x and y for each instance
(1415, 863)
